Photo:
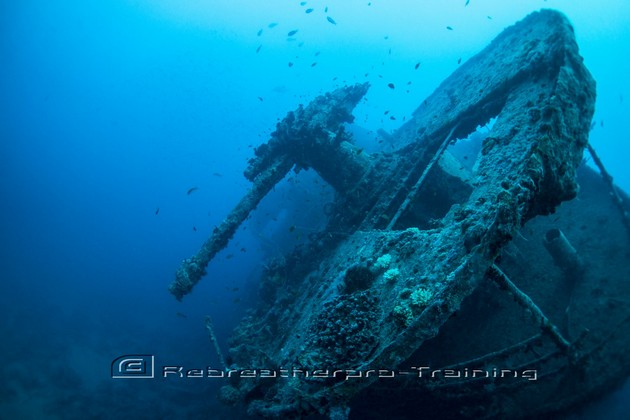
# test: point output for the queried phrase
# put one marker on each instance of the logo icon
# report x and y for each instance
(133, 366)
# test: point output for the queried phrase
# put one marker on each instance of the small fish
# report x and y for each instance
(390, 52)
(237, 300)
(272, 25)
(191, 190)
(157, 211)
(308, 11)
(258, 49)
(229, 256)
(259, 32)
(302, 3)
(291, 228)
(489, 17)
(391, 117)
(459, 61)
(467, 1)
(181, 315)
(243, 250)
(260, 98)
(290, 64)
(359, 151)
(293, 32)
(326, 9)
(601, 124)
(331, 20)
(218, 175)
(391, 86)
(314, 64)
(317, 53)
(416, 66)
(194, 229)
(449, 28)
(386, 112)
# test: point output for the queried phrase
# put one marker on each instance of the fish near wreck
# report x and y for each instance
(377, 290)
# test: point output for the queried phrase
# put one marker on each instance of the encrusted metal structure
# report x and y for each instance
(414, 271)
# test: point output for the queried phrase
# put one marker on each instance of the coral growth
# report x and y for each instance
(383, 262)
(342, 344)
(411, 304)
(391, 275)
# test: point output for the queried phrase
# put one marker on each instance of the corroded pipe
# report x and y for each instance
(563, 253)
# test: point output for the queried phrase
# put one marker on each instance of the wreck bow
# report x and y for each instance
(371, 297)
(375, 298)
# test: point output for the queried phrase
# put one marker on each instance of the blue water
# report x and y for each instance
(111, 110)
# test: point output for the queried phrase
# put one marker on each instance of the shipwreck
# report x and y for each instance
(497, 289)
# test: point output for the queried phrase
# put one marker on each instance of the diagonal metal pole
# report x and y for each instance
(608, 179)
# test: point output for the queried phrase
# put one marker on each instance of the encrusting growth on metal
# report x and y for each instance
(303, 135)
(213, 338)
